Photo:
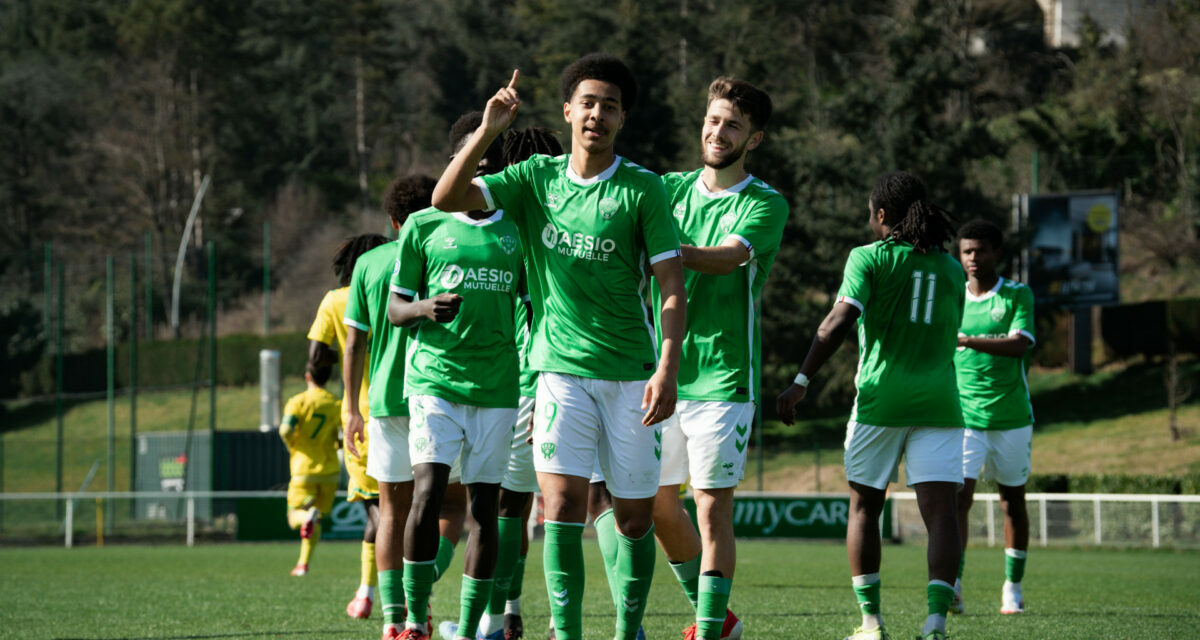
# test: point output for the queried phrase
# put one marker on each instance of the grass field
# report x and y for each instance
(783, 590)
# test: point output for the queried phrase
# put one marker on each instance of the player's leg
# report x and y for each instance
(975, 456)
(304, 516)
(871, 458)
(1014, 450)
(451, 518)
(390, 465)
(672, 526)
(514, 627)
(516, 498)
(933, 465)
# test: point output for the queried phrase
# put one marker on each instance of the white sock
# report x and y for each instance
(513, 607)
(365, 591)
(314, 514)
(958, 587)
(490, 622)
(934, 622)
(1012, 589)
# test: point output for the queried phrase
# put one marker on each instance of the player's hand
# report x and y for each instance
(353, 432)
(443, 307)
(785, 404)
(502, 108)
(659, 399)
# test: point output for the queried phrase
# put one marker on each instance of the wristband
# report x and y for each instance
(801, 380)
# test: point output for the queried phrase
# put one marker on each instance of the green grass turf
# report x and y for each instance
(782, 590)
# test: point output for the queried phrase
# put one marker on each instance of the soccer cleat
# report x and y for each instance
(934, 635)
(359, 607)
(731, 630)
(869, 634)
(956, 605)
(300, 570)
(412, 634)
(514, 629)
(1011, 604)
(449, 631)
(391, 632)
(306, 529)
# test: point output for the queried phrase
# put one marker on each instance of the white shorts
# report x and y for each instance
(1004, 456)
(931, 454)
(706, 440)
(389, 461)
(440, 430)
(520, 476)
(581, 419)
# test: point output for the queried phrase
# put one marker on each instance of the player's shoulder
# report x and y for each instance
(383, 254)
(1016, 290)
(764, 195)
(632, 172)
(675, 179)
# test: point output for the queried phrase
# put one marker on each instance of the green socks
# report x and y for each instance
(606, 537)
(391, 596)
(710, 609)
(508, 550)
(474, 599)
(940, 595)
(1014, 565)
(688, 574)
(866, 589)
(563, 560)
(418, 584)
(445, 554)
(518, 578)
(635, 571)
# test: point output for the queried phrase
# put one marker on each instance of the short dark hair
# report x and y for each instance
(912, 218)
(748, 99)
(602, 67)
(519, 145)
(462, 129)
(406, 194)
(347, 253)
(320, 373)
(985, 230)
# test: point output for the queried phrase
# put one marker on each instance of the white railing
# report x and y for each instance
(1041, 519)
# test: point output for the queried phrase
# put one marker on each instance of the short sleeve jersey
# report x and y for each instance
(589, 246)
(472, 359)
(316, 419)
(366, 310)
(328, 328)
(993, 389)
(529, 376)
(721, 351)
(911, 306)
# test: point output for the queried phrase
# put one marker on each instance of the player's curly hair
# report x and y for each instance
(749, 99)
(603, 67)
(462, 129)
(320, 373)
(985, 230)
(519, 145)
(347, 253)
(406, 194)
(912, 218)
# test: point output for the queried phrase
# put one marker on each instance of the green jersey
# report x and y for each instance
(472, 359)
(911, 305)
(366, 310)
(589, 245)
(524, 341)
(721, 348)
(993, 389)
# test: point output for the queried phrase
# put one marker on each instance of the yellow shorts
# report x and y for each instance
(320, 490)
(362, 486)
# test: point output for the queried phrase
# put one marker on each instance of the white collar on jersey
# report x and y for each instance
(731, 191)
(603, 175)
(463, 217)
(986, 294)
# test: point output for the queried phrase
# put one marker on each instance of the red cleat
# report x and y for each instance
(412, 634)
(731, 630)
(359, 607)
(300, 570)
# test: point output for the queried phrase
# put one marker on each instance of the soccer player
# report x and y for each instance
(730, 225)
(309, 431)
(367, 328)
(591, 222)
(327, 338)
(994, 342)
(456, 284)
(906, 295)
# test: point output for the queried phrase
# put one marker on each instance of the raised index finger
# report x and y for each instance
(512, 84)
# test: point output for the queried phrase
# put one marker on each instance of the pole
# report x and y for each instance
(266, 277)
(46, 280)
(187, 232)
(111, 361)
(1033, 188)
(212, 342)
(58, 386)
(149, 277)
(133, 374)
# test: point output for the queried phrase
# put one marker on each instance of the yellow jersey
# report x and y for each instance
(329, 327)
(311, 423)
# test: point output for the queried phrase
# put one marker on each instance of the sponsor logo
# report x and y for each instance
(481, 279)
(548, 450)
(608, 208)
(452, 276)
(727, 221)
(553, 201)
(450, 243)
(765, 517)
(560, 598)
(631, 604)
(509, 244)
(577, 245)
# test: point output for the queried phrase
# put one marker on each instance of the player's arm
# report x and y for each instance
(287, 429)
(1013, 346)
(353, 364)
(321, 354)
(454, 191)
(403, 311)
(719, 260)
(830, 336)
(661, 390)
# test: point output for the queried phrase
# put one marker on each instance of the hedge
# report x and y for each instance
(1188, 484)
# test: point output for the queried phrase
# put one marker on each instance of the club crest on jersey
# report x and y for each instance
(727, 221)
(679, 211)
(608, 208)
(451, 277)
(548, 450)
(509, 244)
(997, 314)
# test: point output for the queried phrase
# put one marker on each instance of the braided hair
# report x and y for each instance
(347, 253)
(912, 218)
(520, 145)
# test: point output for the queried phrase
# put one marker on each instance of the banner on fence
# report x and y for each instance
(796, 516)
